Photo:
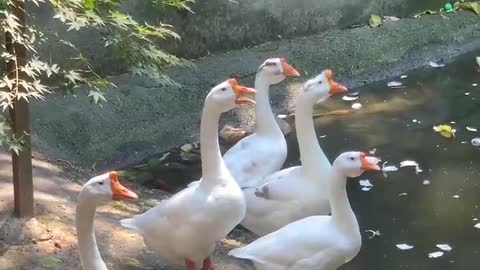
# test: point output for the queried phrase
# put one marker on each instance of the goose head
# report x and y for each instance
(321, 87)
(353, 164)
(106, 187)
(276, 70)
(228, 94)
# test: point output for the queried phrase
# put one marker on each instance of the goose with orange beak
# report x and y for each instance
(318, 242)
(263, 152)
(97, 191)
(297, 192)
(186, 227)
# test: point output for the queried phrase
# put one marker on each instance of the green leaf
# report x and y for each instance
(474, 6)
(89, 4)
(375, 20)
(68, 88)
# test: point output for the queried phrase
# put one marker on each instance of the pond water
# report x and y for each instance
(398, 124)
(402, 207)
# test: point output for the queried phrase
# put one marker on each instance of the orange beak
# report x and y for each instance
(241, 90)
(369, 163)
(288, 70)
(119, 192)
(335, 88)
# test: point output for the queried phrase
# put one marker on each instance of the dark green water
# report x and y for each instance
(428, 214)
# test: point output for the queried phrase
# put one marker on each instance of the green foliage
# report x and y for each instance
(133, 42)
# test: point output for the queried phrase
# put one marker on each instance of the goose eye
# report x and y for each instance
(224, 89)
(100, 182)
(320, 82)
(352, 158)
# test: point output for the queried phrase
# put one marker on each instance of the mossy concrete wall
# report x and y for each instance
(222, 25)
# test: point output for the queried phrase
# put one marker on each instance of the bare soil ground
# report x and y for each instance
(48, 241)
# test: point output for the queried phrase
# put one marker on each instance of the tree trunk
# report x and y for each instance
(20, 115)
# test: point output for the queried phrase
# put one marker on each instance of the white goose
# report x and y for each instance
(264, 151)
(186, 227)
(316, 242)
(296, 192)
(97, 191)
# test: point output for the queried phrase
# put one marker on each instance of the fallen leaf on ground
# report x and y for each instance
(435, 254)
(232, 134)
(456, 196)
(390, 19)
(375, 20)
(187, 147)
(404, 246)
(476, 142)
(403, 194)
(445, 130)
(356, 106)
(435, 65)
(426, 182)
(444, 247)
(349, 98)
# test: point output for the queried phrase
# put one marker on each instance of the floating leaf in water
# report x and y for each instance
(373, 233)
(426, 182)
(403, 77)
(474, 6)
(403, 194)
(475, 142)
(411, 163)
(444, 247)
(456, 196)
(395, 84)
(474, 84)
(445, 130)
(390, 168)
(467, 93)
(471, 129)
(356, 106)
(404, 246)
(349, 98)
(375, 20)
(477, 226)
(435, 65)
(435, 254)
(366, 185)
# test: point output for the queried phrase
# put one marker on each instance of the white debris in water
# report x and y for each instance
(356, 106)
(395, 84)
(404, 246)
(323, 136)
(467, 94)
(282, 116)
(474, 84)
(403, 194)
(349, 98)
(472, 129)
(453, 122)
(477, 226)
(474, 219)
(366, 185)
(403, 77)
(476, 142)
(373, 151)
(435, 254)
(444, 247)
(391, 168)
(435, 65)
(411, 163)
(426, 182)
(456, 196)
(373, 233)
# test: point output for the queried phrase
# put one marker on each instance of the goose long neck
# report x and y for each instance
(213, 165)
(342, 213)
(90, 257)
(266, 123)
(312, 156)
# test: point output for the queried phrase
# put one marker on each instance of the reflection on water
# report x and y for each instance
(398, 123)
